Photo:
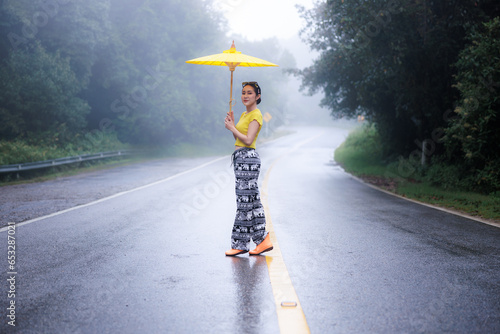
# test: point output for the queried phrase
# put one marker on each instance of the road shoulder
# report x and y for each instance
(372, 182)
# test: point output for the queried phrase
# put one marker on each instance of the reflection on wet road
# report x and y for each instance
(152, 260)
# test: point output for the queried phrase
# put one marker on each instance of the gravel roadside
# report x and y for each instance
(22, 202)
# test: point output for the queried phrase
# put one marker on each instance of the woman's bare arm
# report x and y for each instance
(247, 139)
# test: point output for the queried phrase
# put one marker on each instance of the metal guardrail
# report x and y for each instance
(61, 161)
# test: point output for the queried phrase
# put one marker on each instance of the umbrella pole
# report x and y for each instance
(231, 94)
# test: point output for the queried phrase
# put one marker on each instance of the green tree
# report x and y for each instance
(473, 135)
(39, 94)
(391, 60)
(49, 49)
(79, 66)
(141, 82)
(75, 29)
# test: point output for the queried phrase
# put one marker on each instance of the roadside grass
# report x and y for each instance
(360, 155)
(486, 206)
(52, 147)
(23, 150)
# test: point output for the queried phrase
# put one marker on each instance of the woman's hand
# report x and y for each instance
(230, 115)
(229, 122)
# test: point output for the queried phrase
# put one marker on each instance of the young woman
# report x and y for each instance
(250, 222)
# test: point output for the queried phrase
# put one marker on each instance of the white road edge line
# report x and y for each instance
(3, 229)
(450, 211)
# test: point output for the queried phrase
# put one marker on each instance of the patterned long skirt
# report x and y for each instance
(250, 221)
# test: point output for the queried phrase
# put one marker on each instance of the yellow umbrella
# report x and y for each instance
(232, 59)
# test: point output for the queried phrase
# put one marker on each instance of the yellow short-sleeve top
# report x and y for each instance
(244, 122)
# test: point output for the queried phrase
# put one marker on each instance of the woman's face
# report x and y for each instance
(248, 96)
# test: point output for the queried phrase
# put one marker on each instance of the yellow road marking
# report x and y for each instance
(291, 318)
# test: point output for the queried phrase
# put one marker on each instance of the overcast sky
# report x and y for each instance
(260, 19)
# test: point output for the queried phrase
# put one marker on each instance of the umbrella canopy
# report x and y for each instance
(231, 58)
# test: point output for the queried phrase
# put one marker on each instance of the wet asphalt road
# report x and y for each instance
(152, 260)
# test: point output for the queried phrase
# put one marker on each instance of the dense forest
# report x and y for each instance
(426, 73)
(80, 72)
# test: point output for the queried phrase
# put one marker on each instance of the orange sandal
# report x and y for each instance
(234, 252)
(264, 246)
